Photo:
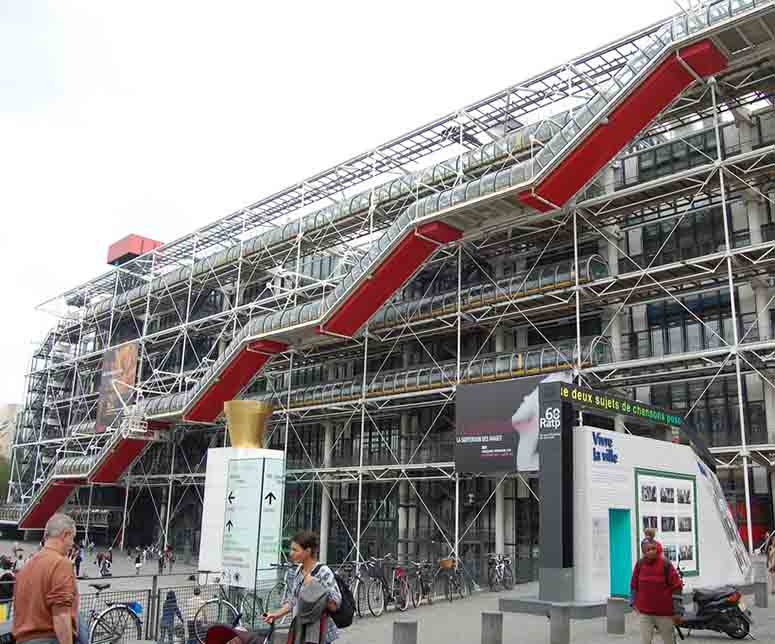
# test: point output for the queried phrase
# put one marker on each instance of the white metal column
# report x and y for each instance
(735, 330)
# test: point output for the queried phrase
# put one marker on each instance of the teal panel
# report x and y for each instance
(620, 532)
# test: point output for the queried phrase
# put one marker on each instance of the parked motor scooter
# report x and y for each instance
(719, 609)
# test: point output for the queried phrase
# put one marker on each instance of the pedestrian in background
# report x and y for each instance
(771, 566)
(650, 536)
(169, 611)
(138, 563)
(161, 565)
(655, 592)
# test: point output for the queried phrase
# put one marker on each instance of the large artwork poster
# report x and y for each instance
(497, 425)
(667, 502)
(119, 366)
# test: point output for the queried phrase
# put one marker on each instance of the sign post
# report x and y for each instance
(242, 514)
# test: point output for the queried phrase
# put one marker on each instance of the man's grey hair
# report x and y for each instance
(57, 524)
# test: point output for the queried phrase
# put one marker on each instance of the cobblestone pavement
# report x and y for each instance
(459, 622)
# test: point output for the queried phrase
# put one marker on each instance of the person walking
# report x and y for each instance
(46, 597)
(771, 566)
(78, 559)
(160, 561)
(655, 592)
(170, 559)
(169, 611)
(138, 563)
(311, 576)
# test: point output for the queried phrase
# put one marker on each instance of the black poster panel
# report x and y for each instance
(497, 425)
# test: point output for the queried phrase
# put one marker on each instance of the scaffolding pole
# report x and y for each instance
(88, 512)
(733, 305)
(126, 505)
(169, 496)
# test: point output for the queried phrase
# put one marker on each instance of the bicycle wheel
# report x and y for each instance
(402, 599)
(359, 594)
(492, 579)
(448, 587)
(274, 598)
(461, 584)
(215, 611)
(508, 579)
(115, 624)
(375, 597)
(416, 591)
(251, 610)
(427, 591)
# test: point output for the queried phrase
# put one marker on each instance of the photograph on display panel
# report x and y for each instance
(497, 425)
(665, 502)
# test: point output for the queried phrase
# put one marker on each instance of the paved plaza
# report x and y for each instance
(441, 623)
(459, 622)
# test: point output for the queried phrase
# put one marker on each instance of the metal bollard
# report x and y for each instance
(761, 599)
(492, 628)
(614, 616)
(405, 632)
(559, 624)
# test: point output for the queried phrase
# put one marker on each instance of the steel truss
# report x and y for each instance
(184, 302)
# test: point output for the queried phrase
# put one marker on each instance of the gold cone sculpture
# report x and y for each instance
(246, 422)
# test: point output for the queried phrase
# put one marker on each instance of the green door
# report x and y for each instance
(621, 552)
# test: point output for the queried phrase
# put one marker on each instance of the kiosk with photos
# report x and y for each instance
(600, 489)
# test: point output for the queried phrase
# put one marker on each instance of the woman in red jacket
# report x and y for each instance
(655, 592)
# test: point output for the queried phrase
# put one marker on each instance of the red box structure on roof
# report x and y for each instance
(130, 247)
(647, 100)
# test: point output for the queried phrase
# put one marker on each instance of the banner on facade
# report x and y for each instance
(119, 367)
(497, 425)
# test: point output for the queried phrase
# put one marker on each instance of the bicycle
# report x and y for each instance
(221, 610)
(357, 584)
(275, 596)
(421, 583)
(454, 584)
(379, 593)
(499, 571)
(119, 621)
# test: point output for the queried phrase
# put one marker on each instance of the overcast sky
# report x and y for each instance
(157, 117)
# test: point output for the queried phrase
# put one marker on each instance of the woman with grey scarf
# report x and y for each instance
(311, 593)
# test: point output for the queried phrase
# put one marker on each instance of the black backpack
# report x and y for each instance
(342, 616)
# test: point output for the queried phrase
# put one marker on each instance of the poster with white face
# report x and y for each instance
(666, 503)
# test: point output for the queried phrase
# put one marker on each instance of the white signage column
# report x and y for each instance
(242, 514)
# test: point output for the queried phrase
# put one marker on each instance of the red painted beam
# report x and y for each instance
(114, 465)
(403, 261)
(635, 112)
(45, 507)
(234, 377)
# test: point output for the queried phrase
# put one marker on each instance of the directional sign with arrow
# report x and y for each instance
(229, 525)
(231, 498)
(270, 497)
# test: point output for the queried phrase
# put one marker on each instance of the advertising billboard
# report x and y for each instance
(119, 366)
(497, 425)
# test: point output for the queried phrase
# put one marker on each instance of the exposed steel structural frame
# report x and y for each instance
(529, 168)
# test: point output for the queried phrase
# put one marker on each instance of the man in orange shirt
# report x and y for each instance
(46, 595)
